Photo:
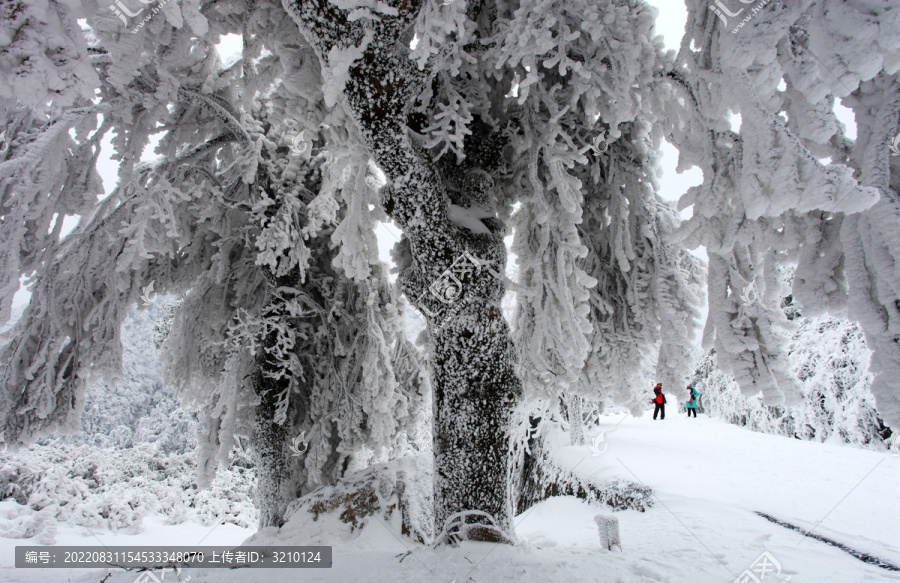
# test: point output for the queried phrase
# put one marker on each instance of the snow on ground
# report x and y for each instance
(708, 476)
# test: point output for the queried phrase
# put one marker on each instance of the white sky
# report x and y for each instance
(670, 24)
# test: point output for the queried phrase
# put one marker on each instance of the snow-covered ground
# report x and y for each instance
(708, 476)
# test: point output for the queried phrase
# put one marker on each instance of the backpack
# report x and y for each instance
(693, 403)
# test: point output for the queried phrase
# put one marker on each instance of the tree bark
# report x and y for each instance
(475, 389)
(271, 383)
(273, 460)
(576, 419)
(472, 356)
(271, 456)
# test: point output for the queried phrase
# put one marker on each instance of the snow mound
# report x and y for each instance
(395, 494)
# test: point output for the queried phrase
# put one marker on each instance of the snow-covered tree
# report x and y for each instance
(790, 187)
(645, 307)
(539, 115)
(500, 104)
(278, 333)
(830, 360)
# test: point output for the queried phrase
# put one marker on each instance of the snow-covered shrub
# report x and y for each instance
(829, 358)
(114, 489)
(544, 479)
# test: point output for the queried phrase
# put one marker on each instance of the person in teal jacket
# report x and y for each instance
(692, 402)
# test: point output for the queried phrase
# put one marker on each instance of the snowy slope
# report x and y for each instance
(708, 476)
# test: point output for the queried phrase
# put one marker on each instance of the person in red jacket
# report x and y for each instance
(660, 401)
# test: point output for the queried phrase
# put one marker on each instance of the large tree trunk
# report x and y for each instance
(475, 389)
(474, 384)
(272, 385)
(270, 438)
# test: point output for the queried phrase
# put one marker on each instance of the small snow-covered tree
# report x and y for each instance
(830, 360)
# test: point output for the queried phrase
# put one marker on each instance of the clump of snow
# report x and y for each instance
(556, 475)
(336, 74)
